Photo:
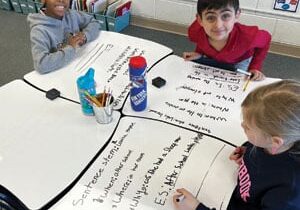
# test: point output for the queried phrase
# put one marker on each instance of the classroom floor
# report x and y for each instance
(16, 61)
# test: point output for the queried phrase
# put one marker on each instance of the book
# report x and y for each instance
(123, 8)
(98, 6)
(111, 9)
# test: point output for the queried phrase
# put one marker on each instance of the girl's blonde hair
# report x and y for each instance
(275, 110)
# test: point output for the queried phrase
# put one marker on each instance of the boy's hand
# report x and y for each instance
(237, 154)
(189, 202)
(74, 41)
(82, 37)
(257, 75)
(188, 56)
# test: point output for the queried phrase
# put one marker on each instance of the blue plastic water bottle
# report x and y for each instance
(86, 83)
(138, 91)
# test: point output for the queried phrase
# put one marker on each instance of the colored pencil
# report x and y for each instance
(92, 99)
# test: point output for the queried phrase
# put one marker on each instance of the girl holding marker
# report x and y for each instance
(269, 163)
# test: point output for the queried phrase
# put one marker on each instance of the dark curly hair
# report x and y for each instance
(216, 4)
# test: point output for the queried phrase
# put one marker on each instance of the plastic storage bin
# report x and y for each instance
(24, 7)
(38, 5)
(28, 6)
(6, 4)
(102, 20)
(117, 24)
(31, 6)
(16, 5)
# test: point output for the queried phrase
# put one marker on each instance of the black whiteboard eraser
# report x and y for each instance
(52, 94)
(158, 82)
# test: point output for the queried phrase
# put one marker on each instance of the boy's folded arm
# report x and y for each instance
(263, 44)
(43, 59)
(49, 62)
(45, 62)
(258, 59)
(92, 30)
(89, 26)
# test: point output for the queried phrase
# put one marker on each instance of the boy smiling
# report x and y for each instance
(56, 32)
(220, 38)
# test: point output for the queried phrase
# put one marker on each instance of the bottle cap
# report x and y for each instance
(137, 62)
(87, 81)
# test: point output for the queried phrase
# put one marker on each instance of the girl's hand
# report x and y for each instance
(257, 75)
(238, 154)
(188, 56)
(189, 202)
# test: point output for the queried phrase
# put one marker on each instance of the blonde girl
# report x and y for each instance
(269, 163)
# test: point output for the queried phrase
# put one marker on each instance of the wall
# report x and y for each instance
(284, 26)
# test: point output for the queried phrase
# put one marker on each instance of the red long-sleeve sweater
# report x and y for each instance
(244, 42)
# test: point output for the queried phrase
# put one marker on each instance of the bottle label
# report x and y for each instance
(86, 107)
(138, 77)
(138, 98)
(138, 83)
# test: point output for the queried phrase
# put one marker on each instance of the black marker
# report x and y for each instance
(180, 198)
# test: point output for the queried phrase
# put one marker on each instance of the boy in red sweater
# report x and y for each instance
(221, 39)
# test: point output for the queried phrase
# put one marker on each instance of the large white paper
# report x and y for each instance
(108, 55)
(44, 144)
(146, 161)
(197, 97)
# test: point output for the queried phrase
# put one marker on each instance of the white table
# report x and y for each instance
(44, 145)
(197, 97)
(108, 55)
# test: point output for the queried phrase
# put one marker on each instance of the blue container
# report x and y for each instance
(102, 20)
(86, 83)
(117, 24)
(137, 75)
(6, 4)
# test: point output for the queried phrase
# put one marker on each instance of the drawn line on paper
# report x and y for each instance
(199, 136)
(206, 174)
(90, 58)
(93, 58)
(107, 48)
(221, 205)
(218, 75)
(185, 128)
(86, 55)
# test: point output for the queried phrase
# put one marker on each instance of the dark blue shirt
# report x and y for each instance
(266, 182)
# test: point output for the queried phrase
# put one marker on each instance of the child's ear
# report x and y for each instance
(199, 19)
(277, 142)
(238, 14)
